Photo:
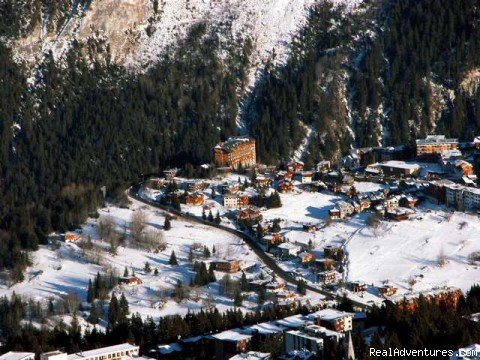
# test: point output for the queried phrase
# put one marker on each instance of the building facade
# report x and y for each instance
(235, 152)
(435, 145)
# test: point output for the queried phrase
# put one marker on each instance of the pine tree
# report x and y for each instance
(94, 316)
(147, 268)
(211, 274)
(190, 255)
(206, 252)
(167, 225)
(113, 312)
(217, 218)
(243, 282)
(123, 310)
(204, 215)
(210, 216)
(214, 250)
(237, 298)
(125, 272)
(90, 292)
(173, 259)
(301, 287)
(155, 272)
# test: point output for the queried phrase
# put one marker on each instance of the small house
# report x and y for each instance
(288, 250)
(130, 280)
(305, 257)
(309, 228)
(304, 176)
(272, 239)
(195, 199)
(327, 277)
(358, 286)
(387, 290)
(295, 166)
(228, 266)
(285, 186)
(71, 237)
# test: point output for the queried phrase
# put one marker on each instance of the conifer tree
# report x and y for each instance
(167, 225)
(173, 259)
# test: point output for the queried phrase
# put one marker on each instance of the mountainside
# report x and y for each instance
(97, 93)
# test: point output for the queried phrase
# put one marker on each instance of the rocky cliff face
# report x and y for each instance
(135, 32)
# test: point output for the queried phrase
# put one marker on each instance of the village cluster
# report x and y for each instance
(437, 170)
(292, 216)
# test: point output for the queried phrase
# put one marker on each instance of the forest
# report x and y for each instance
(84, 124)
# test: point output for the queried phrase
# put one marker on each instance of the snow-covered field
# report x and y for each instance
(395, 251)
(65, 271)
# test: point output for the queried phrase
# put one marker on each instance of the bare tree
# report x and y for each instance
(411, 281)
(374, 220)
(106, 227)
(441, 258)
(154, 239)
(138, 222)
(71, 303)
(473, 257)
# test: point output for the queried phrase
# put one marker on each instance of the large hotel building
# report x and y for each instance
(435, 144)
(235, 152)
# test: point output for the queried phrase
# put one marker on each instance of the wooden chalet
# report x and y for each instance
(228, 266)
(130, 281)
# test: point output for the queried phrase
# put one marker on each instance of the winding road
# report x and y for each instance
(250, 241)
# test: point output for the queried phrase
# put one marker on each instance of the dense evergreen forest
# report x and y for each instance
(386, 73)
(420, 46)
(85, 124)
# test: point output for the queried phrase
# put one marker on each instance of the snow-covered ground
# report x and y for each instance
(65, 271)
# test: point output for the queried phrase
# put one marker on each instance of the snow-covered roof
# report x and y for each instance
(251, 355)
(169, 348)
(103, 351)
(14, 355)
(329, 314)
(292, 322)
(288, 246)
(435, 139)
(401, 165)
(232, 335)
(266, 328)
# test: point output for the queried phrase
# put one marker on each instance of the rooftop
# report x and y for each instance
(292, 322)
(288, 246)
(435, 139)
(232, 335)
(400, 165)
(266, 328)
(13, 355)
(329, 314)
(233, 142)
(102, 351)
(251, 355)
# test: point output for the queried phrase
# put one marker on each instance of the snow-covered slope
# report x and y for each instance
(137, 33)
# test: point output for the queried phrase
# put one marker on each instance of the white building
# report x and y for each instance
(114, 352)
(298, 340)
(231, 201)
(252, 355)
(54, 355)
(339, 321)
(287, 249)
(14, 355)
(462, 197)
